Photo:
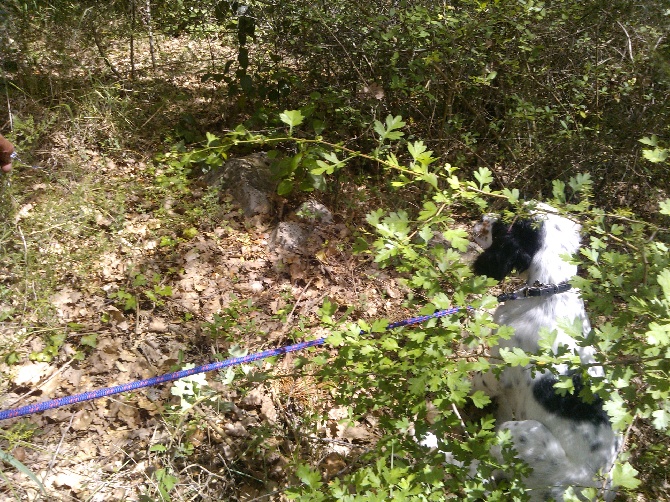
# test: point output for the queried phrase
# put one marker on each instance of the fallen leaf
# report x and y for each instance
(354, 433)
(333, 464)
(82, 420)
(158, 325)
(64, 297)
(236, 429)
(70, 479)
(23, 212)
(31, 373)
(338, 413)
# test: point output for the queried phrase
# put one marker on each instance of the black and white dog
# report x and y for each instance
(567, 441)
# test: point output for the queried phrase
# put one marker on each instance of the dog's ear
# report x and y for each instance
(513, 247)
(500, 259)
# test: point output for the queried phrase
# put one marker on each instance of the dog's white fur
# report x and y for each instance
(562, 450)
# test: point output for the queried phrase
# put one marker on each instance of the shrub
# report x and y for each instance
(418, 378)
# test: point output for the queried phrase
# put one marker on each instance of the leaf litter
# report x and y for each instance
(140, 285)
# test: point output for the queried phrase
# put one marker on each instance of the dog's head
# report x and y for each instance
(507, 246)
(537, 242)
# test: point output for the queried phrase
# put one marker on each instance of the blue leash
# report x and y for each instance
(169, 377)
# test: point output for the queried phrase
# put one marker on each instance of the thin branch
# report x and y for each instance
(151, 34)
(47, 472)
(289, 318)
(9, 105)
(630, 44)
(101, 51)
(132, 39)
(346, 52)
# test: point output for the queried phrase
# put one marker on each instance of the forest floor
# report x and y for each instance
(111, 272)
(110, 278)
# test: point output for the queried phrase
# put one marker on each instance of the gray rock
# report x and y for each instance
(314, 211)
(249, 180)
(289, 236)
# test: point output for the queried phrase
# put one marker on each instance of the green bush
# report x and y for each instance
(533, 90)
(418, 378)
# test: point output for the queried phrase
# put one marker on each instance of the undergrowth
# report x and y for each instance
(411, 119)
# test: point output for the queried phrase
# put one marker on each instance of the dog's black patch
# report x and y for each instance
(512, 248)
(570, 406)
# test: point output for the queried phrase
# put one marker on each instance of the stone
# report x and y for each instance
(249, 180)
(314, 211)
(289, 236)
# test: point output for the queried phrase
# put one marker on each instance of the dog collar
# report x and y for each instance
(536, 290)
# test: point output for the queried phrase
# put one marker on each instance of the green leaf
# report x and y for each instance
(656, 155)
(567, 386)
(580, 182)
(335, 339)
(393, 123)
(379, 129)
(484, 176)
(426, 233)
(319, 126)
(390, 130)
(431, 179)
(658, 334)
(237, 351)
(547, 338)
(313, 182)
(617, 410)
(167, 241)
(163, 290)
(591, 254)
(309, 477)
(360, 245)
(212, 140)
(651, 141)
(291, 118)
(512, 195)
(661, 419)
(89, 340)
(422, 157)
(458, 238)
(429, 210)
(625, 475)
(515, 357)
(663, 279)
(389, 343)
(285, 187)
(329, 167)
(328, 308)
(480, 399)
(379, 326)
(416, 149)
(190, 232)
(166, 482)
(665, 207)
(131, 303)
